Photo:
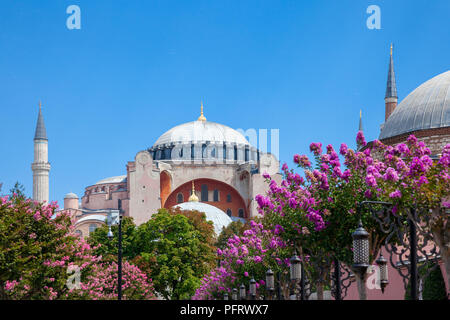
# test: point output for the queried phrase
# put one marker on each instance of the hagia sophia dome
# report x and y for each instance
(427, 107)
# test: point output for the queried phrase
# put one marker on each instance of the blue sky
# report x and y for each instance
(137, 68)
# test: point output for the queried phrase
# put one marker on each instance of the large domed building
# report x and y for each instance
(425, 112)
(225, 169)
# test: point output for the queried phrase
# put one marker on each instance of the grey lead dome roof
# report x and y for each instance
(427, 107)
(201, 131)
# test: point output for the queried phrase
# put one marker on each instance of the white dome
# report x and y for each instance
(201, 131)
(71, 195)
(219, 218)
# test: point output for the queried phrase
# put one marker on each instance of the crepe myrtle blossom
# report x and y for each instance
(360, 138)
(316, 148)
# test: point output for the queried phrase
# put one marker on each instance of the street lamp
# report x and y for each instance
(253, 288)
(234, 295)
(295, 267)
(360, 249)
(119, 256)
(225, 296)
(242, 292)
(270, 282)
(382, 263)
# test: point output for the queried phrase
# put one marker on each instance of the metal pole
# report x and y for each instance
(413, 256)
(279, 285)
(119, 264)
(337, 279)
(302, 284)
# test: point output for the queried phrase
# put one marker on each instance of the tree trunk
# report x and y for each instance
(361, 283)
(441, 241)
(319, 287)
(440, 229)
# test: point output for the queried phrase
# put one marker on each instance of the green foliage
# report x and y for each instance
(18, 191)
(433, 285)
(174, 248)
(178, 256)
(108, 248)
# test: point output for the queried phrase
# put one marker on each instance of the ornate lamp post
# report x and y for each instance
(360, 249)
(242, 293)
(382, 263)
(253, 289)
(234, 295)
(270, 282)
(296, 272)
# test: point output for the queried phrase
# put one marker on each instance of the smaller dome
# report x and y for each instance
(219, 218)
(71, 195)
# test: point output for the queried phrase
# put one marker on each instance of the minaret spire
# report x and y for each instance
(390, 98)
(40, 166)
(40, 133)
(360, 121)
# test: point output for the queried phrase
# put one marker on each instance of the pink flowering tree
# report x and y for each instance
(244, 257)
(37, 247)
(411, 179)
(317, 213)
(101, 284)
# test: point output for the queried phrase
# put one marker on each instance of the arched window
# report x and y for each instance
(92, 227)
(216, 195)
(228, 197)
(229, 212)
(246, 154)
(204, 196)
(180, 198)
(241, 213)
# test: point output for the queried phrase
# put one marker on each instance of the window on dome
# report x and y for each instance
(192, 151)
(228, 197)
(92, 227)
(235, 153)
(204, 195)
(216, 195)
(241, 213)
(180, 198)
(229, 212)
(224, 152)
(246, 154)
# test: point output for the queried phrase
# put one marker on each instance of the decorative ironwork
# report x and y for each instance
(409, 239)
(346, 277)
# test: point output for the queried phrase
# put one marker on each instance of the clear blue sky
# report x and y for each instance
(138, 68)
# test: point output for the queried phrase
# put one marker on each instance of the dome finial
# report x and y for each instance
(40, 105)
(391, 48)
(202, 117)
(193, 197)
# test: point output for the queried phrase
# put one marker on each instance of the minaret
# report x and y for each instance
(390, 100)
(40, 166)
